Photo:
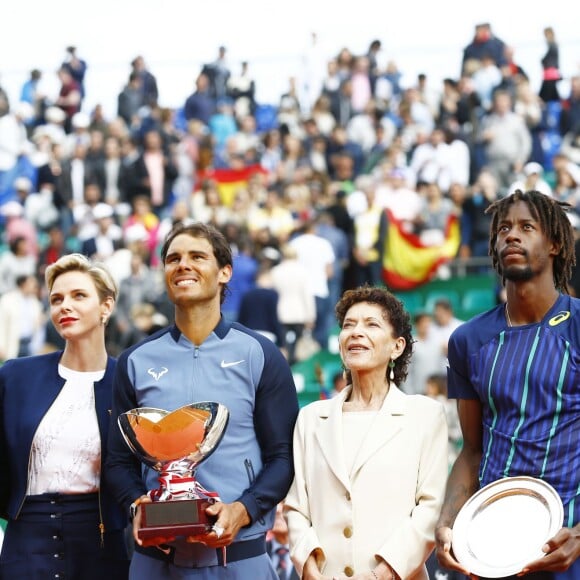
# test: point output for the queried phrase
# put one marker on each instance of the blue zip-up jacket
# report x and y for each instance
(234, 366)
(28, 387)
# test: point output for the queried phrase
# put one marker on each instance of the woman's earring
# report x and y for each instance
(104, 320)
(392, 367)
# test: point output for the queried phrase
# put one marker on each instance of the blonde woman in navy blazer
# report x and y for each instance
(370, 463)
(54, 420)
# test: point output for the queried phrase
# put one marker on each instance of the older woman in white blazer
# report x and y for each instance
(370, 463)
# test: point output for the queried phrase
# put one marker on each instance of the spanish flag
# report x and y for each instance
(231, 180)
(408, 262)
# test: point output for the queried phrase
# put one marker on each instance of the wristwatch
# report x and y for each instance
(133, 507)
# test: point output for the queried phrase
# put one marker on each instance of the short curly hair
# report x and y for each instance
(394, 312)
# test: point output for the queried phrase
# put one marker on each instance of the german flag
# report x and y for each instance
(408, 262)
(230, 180)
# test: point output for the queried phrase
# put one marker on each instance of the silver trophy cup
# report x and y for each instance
(174, 444)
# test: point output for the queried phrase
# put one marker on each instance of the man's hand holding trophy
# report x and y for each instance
(174, 444)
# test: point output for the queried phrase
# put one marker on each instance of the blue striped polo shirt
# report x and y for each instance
(528, 381)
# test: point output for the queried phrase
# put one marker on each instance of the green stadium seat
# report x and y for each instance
(413, 301)
(478, 300)
(451, 295)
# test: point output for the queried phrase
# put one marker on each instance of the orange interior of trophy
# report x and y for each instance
(175, 436)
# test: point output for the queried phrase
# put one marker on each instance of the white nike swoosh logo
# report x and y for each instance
(225, 364)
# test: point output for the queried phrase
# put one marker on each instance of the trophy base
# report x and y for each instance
(173, 518)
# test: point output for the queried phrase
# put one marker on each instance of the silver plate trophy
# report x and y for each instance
(503, 526)
(174, 444)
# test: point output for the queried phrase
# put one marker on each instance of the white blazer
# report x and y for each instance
(391, 502)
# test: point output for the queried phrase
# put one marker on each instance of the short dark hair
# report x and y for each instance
(395, 313)
(220, 245)
(15, 242)
(551, 215)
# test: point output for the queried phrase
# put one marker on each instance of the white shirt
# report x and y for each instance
(356, 425)
(315, 253)
(66, 450)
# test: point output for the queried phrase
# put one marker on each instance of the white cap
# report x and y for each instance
(533, 167)
(81, 120)
(103, 210)
(55, 115)
(24, 110)
(136, 233)
(22, 184)
(11, 209)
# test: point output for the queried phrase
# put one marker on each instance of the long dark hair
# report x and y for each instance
(551, 215)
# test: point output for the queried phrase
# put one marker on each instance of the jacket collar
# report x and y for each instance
(383, 428)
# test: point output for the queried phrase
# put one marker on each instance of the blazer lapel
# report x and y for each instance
(330, 437)
(383, 428)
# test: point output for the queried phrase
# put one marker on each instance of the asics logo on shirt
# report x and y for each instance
(560, 317)
(157, 375)
(225, 364)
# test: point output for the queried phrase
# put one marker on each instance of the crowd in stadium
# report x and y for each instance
(365, 154)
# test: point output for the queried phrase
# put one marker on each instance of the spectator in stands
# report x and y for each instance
(296, 302)
(242, 90)
(570, 147)
(17, 225)
(532, 178)
(200, 105)
(77, 68)
(445, 322)
(474, 221)
(151, 174)
(273, 215)
(14, 145)
(551, 74)
(31, 93)
(426, 357)
(69, 97)
(142, 214)
(486, 78)
(246, 268)
(85, 226)
(21, 319)
(56, 246)
(218, 73)
(368, 242)
(148, 81)
(4, 102)
(326, 227)
(259, 307)
(142, 286)
(15, 262)
(530, 107)
(130, 100)
(108, 236)
(484, 42)
(570, 118)
(567, 181)
(317, 256)
(76, 174)
(506, 139)
(433, 219)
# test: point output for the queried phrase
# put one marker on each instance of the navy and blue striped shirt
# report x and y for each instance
(528, 381)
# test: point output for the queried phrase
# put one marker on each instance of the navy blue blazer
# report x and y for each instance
(28, 387)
